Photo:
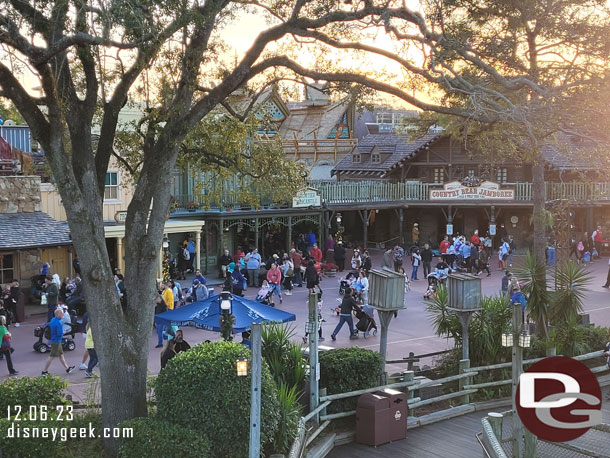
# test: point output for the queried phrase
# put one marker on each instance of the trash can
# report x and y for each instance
(551, 256)
(398, 413)
(373, 420)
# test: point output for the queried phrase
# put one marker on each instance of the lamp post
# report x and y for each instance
(226, 318)
(518, 339)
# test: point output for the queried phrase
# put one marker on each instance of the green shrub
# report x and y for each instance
(162, 439)
(284, 357)
(596, 337)
(29, 391)
(200, 389)
(348, 369)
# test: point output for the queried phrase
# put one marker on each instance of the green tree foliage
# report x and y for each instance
(200, 389)
(283, 356)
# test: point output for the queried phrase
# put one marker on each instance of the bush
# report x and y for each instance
(348, 369)
(596, 337)
(29, 391)
(200, 389)
(162, 439)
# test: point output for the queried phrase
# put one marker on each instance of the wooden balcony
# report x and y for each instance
(315, 149)
(348, 193)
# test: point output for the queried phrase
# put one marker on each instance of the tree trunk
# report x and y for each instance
(539, 199)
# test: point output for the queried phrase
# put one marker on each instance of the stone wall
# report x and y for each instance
(30, 264)
(19, 194)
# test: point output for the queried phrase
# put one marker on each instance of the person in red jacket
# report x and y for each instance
(274, 278)
(475, 238)
(316, 253)
(444, 247)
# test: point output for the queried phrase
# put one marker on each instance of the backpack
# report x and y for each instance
(185, 254)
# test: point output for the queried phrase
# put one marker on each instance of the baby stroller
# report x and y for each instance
(431, 291)
(264, 295)
(44, 331)
(366, 322)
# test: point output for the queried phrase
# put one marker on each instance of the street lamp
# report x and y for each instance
(165, 243)
(507, 339)
(242, 367)
(339, 219)
(226, 318)
(524, 340)
(225, 303)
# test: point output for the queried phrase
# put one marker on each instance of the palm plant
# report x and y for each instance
(569, 338)
(572, 280)
(444, 321)
(283, 356)
(487, 327)
(533, 274)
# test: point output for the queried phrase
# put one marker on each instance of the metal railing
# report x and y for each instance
(447, 389)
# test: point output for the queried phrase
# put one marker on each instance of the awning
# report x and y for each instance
(32, 230)
(172, 226)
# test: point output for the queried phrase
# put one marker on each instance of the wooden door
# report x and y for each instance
(58, 259)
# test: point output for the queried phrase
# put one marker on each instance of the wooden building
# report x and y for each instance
(435, 181)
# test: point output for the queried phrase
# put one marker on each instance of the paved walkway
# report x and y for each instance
(411, 331)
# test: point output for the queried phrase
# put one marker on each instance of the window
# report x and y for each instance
(375, 158)
(439, 175)
(501, 175)
(356, 158)
(111, 191)
(6, 268)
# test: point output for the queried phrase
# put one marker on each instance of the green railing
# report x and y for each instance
(352, 192)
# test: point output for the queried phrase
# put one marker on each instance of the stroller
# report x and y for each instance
(264, 295)
(366, 322)
(431, 291)
(44, 332)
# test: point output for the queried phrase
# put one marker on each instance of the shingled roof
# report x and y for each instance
(566, 153)
(307, 121)
(399, 148)
(32, 230)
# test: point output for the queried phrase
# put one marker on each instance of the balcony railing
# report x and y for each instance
(347, 192)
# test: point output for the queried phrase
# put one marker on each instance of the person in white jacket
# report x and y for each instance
(416, 261)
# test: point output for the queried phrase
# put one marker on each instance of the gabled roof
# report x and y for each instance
(306, 119)
(240, 101)
(32, 230)
(398, 147)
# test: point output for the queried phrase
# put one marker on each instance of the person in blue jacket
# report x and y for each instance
(57, 333)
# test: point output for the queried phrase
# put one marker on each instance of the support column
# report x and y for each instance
(365, 216)
(119, 255)
(198, 249)
(401, 225)
(590, 222)
(255, 401)
(221, 237)
(256, 234)
(314, 395)
(492, 220)
(289, 235)
(517, 369)
(207, 247)
(160, 264)
(321, 232)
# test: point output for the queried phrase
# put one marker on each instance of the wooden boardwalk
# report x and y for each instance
(453, 438)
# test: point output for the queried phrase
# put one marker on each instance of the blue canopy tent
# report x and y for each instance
(206, 314)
